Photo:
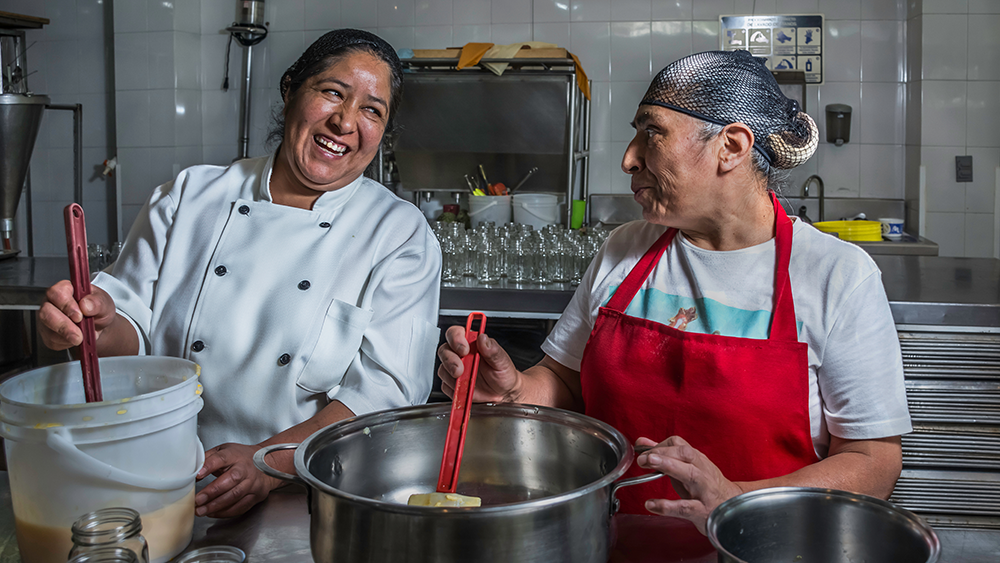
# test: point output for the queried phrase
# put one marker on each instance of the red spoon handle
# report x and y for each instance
(79, 275)
(461, 406)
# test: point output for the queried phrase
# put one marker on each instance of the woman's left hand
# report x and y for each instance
(699, 483)
(238, 483)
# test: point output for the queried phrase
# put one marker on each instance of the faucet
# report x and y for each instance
(805, 191)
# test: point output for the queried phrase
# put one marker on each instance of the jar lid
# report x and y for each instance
(215, 553)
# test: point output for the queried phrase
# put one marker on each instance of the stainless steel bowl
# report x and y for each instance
(805, 525)
(546, 477)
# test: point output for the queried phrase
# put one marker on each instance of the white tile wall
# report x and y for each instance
(944, 194)
(590, 10)
(983, 114)
(883, 51)
(944, 111)
(984, 47)
(840, 168)
(948, 231)
(978, 244)
(881, 118)
(672, 10)
(945, 47)
(980, 194)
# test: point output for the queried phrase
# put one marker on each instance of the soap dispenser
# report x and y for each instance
(838, 124)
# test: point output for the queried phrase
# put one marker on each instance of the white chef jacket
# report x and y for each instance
(283, 308)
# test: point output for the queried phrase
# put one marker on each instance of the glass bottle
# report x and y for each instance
(109, 527)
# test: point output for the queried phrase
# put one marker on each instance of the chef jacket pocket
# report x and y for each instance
(338, 344)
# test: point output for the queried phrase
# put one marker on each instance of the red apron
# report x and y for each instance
(742, 402)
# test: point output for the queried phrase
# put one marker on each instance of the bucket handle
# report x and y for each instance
(58, 439)
(261, 463)
(483, 208)
(528, 209)
(632, 481)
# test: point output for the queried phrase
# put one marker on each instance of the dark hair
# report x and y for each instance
(324, 53)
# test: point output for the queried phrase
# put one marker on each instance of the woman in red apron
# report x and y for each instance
(733, 413)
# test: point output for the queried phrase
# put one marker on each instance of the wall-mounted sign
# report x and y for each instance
(784, 42)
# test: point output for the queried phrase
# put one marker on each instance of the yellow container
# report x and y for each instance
(857, 231)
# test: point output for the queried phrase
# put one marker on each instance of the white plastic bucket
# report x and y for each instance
(138, 448)
(536, 210)
(487, 208)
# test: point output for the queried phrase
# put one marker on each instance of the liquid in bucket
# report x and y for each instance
(138, 449)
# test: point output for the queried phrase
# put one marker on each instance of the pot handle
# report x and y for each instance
(258, 460)
(633, 481)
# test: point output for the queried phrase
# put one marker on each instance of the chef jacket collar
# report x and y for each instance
(328, 201)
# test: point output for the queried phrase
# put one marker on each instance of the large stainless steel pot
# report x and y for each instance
(547, 478)
(818, 526)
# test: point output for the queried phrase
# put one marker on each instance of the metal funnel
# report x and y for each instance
(20, 116)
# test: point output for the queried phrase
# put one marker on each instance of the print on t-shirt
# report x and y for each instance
(697, 314)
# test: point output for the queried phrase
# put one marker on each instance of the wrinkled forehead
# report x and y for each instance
(646, 115)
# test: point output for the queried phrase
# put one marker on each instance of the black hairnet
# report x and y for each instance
(336, 41)
(726, 87)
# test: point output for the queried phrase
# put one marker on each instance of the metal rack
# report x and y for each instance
(951, 460)
(534, 115)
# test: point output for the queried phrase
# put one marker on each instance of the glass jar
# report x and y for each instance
(105, 555)
(109, 528)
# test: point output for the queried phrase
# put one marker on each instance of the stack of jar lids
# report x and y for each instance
(856, 231)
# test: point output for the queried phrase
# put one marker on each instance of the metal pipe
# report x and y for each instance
(585, 186)
(77, 110)
(27, 214)
(245, 103)
(805, 192)
(571, 149)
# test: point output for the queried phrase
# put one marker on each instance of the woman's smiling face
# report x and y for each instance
(335, 121)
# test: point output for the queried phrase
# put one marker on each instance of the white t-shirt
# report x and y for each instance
(283, 308)
(856, 388)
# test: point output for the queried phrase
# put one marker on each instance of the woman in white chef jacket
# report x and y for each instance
(306, 292)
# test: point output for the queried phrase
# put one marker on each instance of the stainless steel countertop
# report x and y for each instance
(277, 531)
(930, 290)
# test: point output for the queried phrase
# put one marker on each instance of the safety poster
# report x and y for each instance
(785, 42)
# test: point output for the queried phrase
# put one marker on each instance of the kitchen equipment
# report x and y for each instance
(461, 408)
(862, 231)
(489, 208)
(546, 477)
(106, 555)
(109, 527)
(525, 179)
(79, 273)
(838, 124)
(20, 118)
(248, 29)
(892, 228)
(818, 526)
(534, 115)
(138, 448)
(536, 210)
(213, 554)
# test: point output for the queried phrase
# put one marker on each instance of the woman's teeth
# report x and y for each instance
(331, 146)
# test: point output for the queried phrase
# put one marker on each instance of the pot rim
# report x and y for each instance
(357, 424)
(721, 511)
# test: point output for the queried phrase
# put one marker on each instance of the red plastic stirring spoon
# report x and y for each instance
(461, 406)
(79, 275)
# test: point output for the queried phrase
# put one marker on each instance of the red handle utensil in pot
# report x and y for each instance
(461, 406)
(79, 275)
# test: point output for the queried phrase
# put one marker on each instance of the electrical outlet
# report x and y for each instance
(963, 168)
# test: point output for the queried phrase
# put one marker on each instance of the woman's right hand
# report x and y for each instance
(497, 381)
(60, 314)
